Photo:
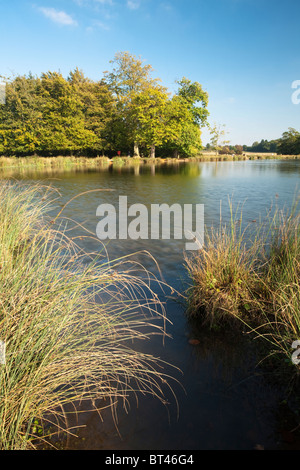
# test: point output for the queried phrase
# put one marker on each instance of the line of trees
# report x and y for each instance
(126, 111)
(264, 146)
(288, 144)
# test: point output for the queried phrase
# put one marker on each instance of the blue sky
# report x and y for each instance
(245, 53)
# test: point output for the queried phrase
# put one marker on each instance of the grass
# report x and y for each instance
(251, 278)
(52, 162)
(68, 162)
(69, 320)
(281, 284)
(212, 156)
(223, 275)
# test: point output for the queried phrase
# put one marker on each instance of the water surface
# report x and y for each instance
(227, 403)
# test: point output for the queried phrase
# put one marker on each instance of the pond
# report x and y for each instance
(224, 401)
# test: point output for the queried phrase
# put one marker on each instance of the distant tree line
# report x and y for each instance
(288, 144)
(264, 146)
(126, 111)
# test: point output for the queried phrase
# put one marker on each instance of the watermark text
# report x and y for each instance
(296, 93)
(2, 352)
(178, 222)
(296, 354)
(2, 93)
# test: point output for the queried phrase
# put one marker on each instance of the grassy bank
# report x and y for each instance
(68, 320)
(50, 162)
(212, 156)
(103, 161)
(250, 277)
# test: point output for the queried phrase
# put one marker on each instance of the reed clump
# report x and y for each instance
(53, 162)
(69, 321)
(251, 277)
(223, 275)
(281, 284)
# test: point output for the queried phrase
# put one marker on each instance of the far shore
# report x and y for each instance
(82, 161)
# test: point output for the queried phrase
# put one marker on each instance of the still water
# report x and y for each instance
(225, 401)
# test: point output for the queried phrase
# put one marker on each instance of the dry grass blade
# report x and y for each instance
(69, 325)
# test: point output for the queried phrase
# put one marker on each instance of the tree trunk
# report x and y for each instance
(136, 152)
(176, 154)
(152, 151)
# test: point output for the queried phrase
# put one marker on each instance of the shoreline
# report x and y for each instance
(72, 161)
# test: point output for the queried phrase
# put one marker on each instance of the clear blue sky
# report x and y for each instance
(245, 53)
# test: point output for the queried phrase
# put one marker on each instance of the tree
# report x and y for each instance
(289, 144)
(139, 99)
(196, 100)
(97, 108)
(52, 115)
(186, 112)
(64, 131)
(21, 117)
(217, 131)
(263, 146)
(149, 112)
(238, 149)
(180, 133)
(225, 150)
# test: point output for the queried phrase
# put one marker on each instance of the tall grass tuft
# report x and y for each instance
(251, 277)
(223, 274)
(68, 320)
(280, 277)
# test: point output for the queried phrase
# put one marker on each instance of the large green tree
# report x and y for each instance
(186, 113)
(196, 100)
(52, 115)
(21, 117)
(127, 109)
(140, 100)
(150, 112)
(97, 108)
(289, 144)
(63, 117)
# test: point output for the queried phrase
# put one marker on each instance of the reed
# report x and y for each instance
(70, 321)
(251, 278)
(223, 274)
(280, 278)
(53, 162)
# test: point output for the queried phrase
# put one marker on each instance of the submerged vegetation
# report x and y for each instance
(69, 320)
(249, 277)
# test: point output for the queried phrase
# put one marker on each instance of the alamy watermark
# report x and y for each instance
(296, 354)
(296, 93)
(2, 352)
(2, 93)
(178, 222)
